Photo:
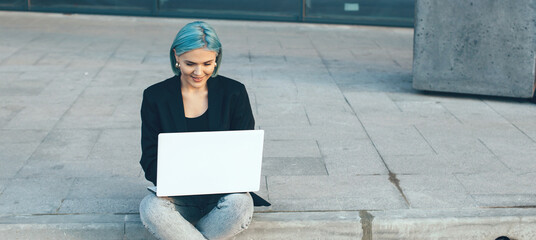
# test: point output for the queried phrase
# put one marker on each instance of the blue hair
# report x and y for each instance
(193, 36)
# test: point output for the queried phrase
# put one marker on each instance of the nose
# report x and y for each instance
(197, 70)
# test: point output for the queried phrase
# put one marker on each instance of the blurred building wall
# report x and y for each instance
(368, 12)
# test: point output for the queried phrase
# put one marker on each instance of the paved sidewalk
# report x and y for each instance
(351, 152)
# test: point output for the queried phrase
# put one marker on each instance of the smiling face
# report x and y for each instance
(196, 67)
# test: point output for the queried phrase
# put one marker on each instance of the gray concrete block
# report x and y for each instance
(397, 139)
(291, 148)
(305, 205)
(34, 196)
(269, 95)
(100, 206)
(13, 156)
(416, 164)
(22, 136)
(320, 132)
(359, 203)
(444, 163)
(281, 115)
(63, 231)
(519, 163)
(440, 191)
(449, 139)
(67, 169)
(502, 200)
(66, 145)
(120, 145)
(331, 188)
(329, 118)
(136, 231)
(483, 47)
(506, 139)
(370, 102)
(451, 224)
(282, 166)
(20, 87)
(351, 157)
(3, 184)
(108, 188)
(99, 226)
(38, 116)
(340, 225)
(498, 183)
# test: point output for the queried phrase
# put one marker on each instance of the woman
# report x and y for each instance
(195, 99)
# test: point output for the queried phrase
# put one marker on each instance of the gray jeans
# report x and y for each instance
(219, 216)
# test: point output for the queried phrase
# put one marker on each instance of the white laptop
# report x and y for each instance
(195, 163)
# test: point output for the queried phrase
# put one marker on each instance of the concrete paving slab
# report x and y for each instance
(447, 138)
(13, 156)
(22, 136)
(38, 116)
(284, 166)
(440, 191)
(330, 188)
(72, 169)
(338, 132)
(117, 145)
(66, 145)
(291, 148)
(401, 140)
(510, 200)
(136, 231)
(519, 163)
(34, 196)
(112, 187)
(63, 227)
(267, 95)
(367, 102)
(351, 157)
(328, 225)
(3, 184)
(282, 115)
(498, 183)
(100, 205)
(449, 223)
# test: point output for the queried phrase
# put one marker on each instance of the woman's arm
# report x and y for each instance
(242, 118)
(150, 127)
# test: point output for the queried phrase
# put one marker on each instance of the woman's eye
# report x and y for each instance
(208, 64)
(190, 64)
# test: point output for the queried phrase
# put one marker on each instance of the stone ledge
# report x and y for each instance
(516, 223)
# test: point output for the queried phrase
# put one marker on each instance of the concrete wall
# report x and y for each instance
(480, 47)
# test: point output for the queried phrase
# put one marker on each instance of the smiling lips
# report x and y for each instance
(197, 79)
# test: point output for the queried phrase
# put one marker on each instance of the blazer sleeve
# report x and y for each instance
(150, 128)
(242, 117)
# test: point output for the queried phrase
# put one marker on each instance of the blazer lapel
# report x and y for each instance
(176, 106)
(214, 105)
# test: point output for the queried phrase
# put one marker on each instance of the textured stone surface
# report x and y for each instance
(345, 132)
(482, 47)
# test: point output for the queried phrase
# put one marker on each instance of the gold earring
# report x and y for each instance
(177, 65)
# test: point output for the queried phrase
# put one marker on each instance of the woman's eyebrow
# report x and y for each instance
(188, 61)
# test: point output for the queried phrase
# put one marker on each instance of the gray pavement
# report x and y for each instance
(351, 152)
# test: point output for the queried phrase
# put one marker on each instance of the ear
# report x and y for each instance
(175, 54)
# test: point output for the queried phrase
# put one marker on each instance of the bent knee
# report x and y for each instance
(238, 200)
(152, 207)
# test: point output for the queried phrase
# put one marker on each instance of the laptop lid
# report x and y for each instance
(194, 163)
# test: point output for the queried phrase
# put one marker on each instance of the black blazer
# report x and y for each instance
(162, 111)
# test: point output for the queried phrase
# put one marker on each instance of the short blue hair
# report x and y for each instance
(193, 36)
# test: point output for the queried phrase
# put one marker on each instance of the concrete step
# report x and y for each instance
(367, 225)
